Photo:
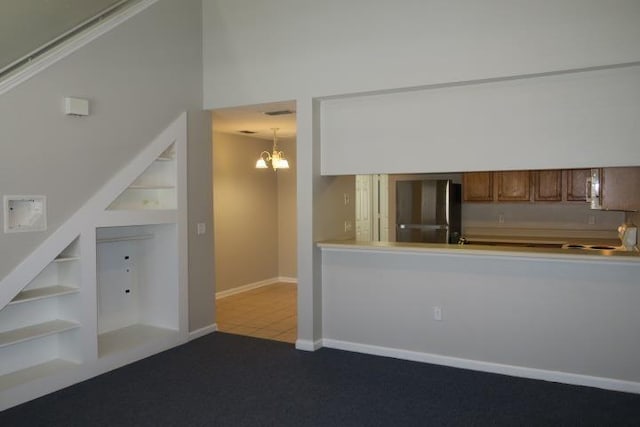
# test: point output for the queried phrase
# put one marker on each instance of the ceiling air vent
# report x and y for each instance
(247, 132)
(279, 112)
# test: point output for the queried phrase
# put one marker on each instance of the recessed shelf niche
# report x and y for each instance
(25, 213)
(155, 188)
(137, 279)
(40, 326)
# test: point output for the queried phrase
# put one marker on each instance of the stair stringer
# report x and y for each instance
(85, 218)
(56, 53)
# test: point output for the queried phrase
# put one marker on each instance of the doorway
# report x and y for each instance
(255, 225)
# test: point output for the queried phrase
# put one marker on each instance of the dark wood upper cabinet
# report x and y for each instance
(513, 186)
(577, 184)
(477, 186)
(548, 185)
(620, 188)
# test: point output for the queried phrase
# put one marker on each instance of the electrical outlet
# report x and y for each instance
(591, 219)
(437, 313)
(500, 218)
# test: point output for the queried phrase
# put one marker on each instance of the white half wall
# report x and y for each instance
(565, 316)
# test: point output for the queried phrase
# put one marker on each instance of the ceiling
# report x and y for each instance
(252, 118)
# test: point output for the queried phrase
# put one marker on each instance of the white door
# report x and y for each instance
(372, 207)
(364, 216)
(381, 207)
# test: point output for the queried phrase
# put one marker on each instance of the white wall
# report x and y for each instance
(254, 212)
(25, 25)
(256, 52)
(199, 201)
(285, 49)
(287, 222)
(551, 216)
(138, 77)
(546, 122)
(245, 212)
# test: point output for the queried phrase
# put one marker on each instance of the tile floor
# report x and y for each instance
(267, 312)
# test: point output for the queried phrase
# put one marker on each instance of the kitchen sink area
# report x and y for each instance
(626, 242)
(512, 244)
(544, 245)
(573, 246)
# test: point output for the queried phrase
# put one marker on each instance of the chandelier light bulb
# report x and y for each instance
(277, 159)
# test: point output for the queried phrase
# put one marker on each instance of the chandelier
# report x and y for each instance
(276, 157)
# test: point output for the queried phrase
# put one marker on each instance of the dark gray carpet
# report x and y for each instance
(229, 380)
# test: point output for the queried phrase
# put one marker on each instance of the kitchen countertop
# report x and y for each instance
(543, 240)
(492, 250)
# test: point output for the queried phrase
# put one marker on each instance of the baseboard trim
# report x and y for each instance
(254, 285)
(476, 365)
(308, 345)
(203, 331)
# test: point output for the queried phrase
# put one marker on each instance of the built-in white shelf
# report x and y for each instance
(131, 337)
(115, 218)
(40, 330)
(151, 187)
(66, 258)
(42, 370)
(137, 283)
(40, 293)
(109, 298)
(124, 238)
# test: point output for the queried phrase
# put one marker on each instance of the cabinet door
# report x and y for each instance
(620, 189)
(577, 184)
(477, 186)
(548, 185)
(513, 186)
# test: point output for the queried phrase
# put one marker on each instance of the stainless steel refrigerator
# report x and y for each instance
(428, 211)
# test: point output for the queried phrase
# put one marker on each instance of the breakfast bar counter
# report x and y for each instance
(549, 313)
(567, 249)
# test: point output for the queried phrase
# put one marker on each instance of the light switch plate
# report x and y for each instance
(201, 228)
